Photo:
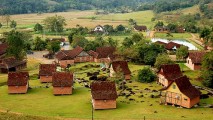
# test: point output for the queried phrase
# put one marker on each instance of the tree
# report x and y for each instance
(53, 46)
(127, 42)
(1, 25)
(159, 24)
(108, 28)
(205, 34)
(38, 27)
(120, 28)
(182, 52)
(146, 75)
(112, 42)
(137, 37)
(71, 35)
(132, 22)
(7, 19)
(207, 69)
(39, 44)
(79, 40)
(55, 23)
(16, 45)
(13, 24)
(162, 59)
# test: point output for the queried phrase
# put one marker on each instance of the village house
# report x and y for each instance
(180, 29)
(67, 58)
(140, 28)
(99, 28)
(172, 46)
(62, 83)
(194, 60)
(168, 73)
(102, 54)
(3, 48)
(104, 95)
(11, 65)
(46, 71)
(120, 66)
(161, 29)
(180, 92)
(18, 82)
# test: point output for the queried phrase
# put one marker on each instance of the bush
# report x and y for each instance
(146, 75)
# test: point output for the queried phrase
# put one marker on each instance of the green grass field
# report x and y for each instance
(175, 35)
(39, 101)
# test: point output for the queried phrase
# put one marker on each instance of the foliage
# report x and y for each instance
(206, 34)
(146, 75)
(16, 43)
(109, 28)
(1, 25)
(13, 24)
(137, 37)
(77, 31)
(132, 22)
(127, 42)
(55, 23)
(38, 27)
(162, 59)
(182, 52)
(6, 18)
(79, 40)
(39, 44)
(207, 69)
(53, 46)
(120, 28)
(159, 24)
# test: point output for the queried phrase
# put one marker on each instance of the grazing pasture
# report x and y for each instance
(137, 101)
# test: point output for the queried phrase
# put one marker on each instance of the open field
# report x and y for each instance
(40, 101)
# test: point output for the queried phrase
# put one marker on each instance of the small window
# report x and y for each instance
(105, 100)
(174, 86)
(185, 99)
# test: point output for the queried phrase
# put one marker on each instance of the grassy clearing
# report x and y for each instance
(191, 10)
(175, 36)
(40, 101)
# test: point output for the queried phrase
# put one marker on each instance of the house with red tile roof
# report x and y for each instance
(11, 65)
(102, 54)
(172, 46)
(104, 95)
(180, 92)
(62, 83)
(69, 57)
(140, 28)
(194, 60)
(46, 71)
(120, 66)
(168, 73)
(3, 48)
(18, 82)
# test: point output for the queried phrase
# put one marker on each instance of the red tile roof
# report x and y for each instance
(123, 65)
(11, 62)
(69, 54)
(3, 48)
(18, 78)
(196, 56)
(105, 52)
(185, 87)
(93, 53)
(170, 71)
(103, 90)
(140, 28)
(62, 79)
(47, 69)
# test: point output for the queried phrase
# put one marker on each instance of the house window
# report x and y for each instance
(174, 86)
(105, 100)
(185, 99)
(188, 61)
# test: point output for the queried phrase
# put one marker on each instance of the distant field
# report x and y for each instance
(191, 10)
(175, 35)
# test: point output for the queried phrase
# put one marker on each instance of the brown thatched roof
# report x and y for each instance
(123, 65)
(196, 56)
(62, 79)
(105, 52)
(18, 78)
(11, 62)
(3, 48)
(170, 71)
(103, 90)
(47, 69)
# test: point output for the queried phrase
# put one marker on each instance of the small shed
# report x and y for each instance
(62, 83)
(180, 92)
(104, 95)
(46, 71)
(140, 28)
(194, 59)
(18, 82)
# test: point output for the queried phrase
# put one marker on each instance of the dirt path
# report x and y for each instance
(38, 55)
(196, 40)
(152, 34)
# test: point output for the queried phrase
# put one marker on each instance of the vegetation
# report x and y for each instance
(182, 52)
(53, 46)
(13, 24)
(146, 75)
(162, 59)
(38, 27)
(54, 23)
(207, 70)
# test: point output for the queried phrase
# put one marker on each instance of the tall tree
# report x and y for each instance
(7, 19)
(13, 24)
(182, 52)
(55, 23)
(38, 27)
(16, 45)
(162, 59)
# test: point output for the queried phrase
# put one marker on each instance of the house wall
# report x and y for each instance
(191, 65)
(107, 60)
(17, 89)
(162, 80)
(45, 79)
(174, 96)
(64, 63)
(127, 77)
(62, 90)
(112, 74)
(104, 104)
(83, 59)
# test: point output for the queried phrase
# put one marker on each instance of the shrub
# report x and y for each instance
(146, 75)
